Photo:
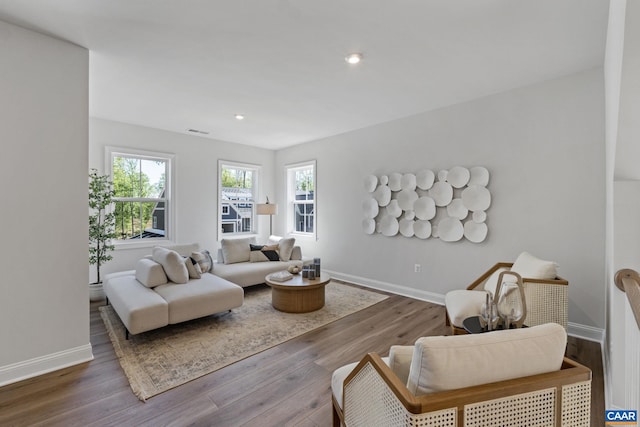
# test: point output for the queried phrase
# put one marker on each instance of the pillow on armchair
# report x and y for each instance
(528, 267)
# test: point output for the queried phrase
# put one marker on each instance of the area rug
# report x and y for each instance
(159, 360)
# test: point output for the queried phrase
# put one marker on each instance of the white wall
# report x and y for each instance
(544, 147)
(196, 179)
(44, 298)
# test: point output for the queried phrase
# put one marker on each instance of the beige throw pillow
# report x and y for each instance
(236, 250)
(150, 273)
(172, 263)
(195, 272)
(285, 247)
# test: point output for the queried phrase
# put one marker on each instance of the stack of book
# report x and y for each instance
(281, 276)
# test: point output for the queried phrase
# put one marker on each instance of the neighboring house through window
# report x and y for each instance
(238, 183)
(142, 185)
(301, 198)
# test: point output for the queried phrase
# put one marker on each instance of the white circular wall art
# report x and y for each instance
(425, 208)
(479, 176)
(423, 204)
(370, 208)
(441, 193)
(458, 177)
(425, 179)
(406, 199)
(475, 232)
(408, 181)
(368, 226)
(389, 226)
(393, 209)
(476, 198)
(382, 195)
(406, 227)
(456, 209)
(394, 181)
(370, 183)
(450, 230)
(422, 229)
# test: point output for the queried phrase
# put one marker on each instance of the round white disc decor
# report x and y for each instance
(425, 208)
(384, 180)
(406, 199)
(394, 181)
(409, 215)
(476, 198)
(370, 208)
(479, 216)
(450, 230)
(368, 226)
(422, 229)
(475, 232)
(425, 179)
(406, 227)
(393, 209)
(442, 175)
(389, 226)
(456, 209)
(382, 195)
(408, 181)
(479, 176)
(458, 176)
(441, 193)
(370, 183)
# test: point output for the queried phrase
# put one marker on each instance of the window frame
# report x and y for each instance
(169, 208)
(256, 171)
(290, 185)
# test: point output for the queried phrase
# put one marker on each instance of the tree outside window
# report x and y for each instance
(141, 202)
(238, 184)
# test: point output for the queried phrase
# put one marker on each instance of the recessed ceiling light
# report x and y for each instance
(353, 58)
(239, 117)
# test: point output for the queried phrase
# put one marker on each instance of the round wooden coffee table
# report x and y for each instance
(298, 295)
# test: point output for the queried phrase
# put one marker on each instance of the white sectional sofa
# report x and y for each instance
(164, 289)
(146, 298)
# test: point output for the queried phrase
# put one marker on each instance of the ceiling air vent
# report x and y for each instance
(201, 132)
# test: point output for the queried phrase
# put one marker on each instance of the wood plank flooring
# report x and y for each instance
(287, 385)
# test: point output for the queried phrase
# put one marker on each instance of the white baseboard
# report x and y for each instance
(577, 330)
(44, 364)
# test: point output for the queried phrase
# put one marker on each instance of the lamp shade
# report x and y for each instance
(267, 209)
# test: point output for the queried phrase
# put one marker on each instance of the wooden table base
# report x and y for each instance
(298, 295)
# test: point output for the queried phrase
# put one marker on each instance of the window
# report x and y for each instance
(301, 198)
(238, 184)
(141, 181)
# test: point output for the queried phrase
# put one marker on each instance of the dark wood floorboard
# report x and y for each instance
(287, 385)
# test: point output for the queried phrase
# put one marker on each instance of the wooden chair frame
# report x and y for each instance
(569, 404)
(546, 299)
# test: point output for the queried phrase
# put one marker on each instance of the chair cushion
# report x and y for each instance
(150, 273)
(462, 303)
(341, 374)
(172, 263)
(530, 267)
(236, 250)
(453, 362)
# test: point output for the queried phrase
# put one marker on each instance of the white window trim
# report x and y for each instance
(288, 170)
(256, 185)
(170, 225)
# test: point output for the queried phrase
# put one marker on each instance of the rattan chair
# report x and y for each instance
(546, 300)
(374, 396)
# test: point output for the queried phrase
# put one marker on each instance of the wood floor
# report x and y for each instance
(288, 385)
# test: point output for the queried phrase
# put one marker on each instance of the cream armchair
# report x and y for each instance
(545, 293)
(487, 379)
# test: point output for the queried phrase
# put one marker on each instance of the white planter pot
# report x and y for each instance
(95, 292)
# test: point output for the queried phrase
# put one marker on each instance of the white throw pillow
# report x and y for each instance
(150, 273)
(236, 250)
(285, 247)
(530, 267)
(195, 272)
(172, 263)
(453, 362)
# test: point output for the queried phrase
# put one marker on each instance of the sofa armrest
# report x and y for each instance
(400, 361)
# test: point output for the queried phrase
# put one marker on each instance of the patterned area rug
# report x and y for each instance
(159, 360)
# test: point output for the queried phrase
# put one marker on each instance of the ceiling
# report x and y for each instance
(195, 64)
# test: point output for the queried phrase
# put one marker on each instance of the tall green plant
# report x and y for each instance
(101, 222)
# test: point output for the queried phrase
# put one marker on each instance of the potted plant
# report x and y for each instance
(101, 227)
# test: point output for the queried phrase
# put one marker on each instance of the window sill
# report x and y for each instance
(119, 246)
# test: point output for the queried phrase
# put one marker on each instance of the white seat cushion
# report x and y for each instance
(453, 362)
(341, 374)
(462, 303)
